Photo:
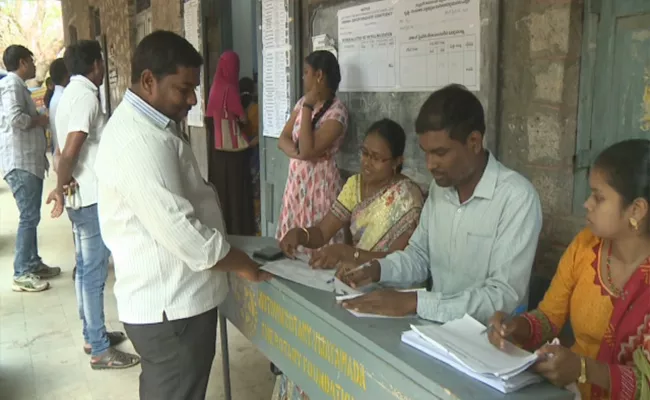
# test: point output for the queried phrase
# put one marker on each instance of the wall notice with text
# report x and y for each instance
(409, 45)
(276, 53)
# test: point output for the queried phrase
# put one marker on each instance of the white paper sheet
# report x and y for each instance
(463, 340)
(300, 272)
(515, 383)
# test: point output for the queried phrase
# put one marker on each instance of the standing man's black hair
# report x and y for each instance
(58, 72)
(453, 109)
(13, 55)
(162, 52)
(80, 57)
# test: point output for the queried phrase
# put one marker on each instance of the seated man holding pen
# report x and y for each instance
(478, 230)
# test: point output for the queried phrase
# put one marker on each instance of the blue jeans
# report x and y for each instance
(92, 270)
(27, 189)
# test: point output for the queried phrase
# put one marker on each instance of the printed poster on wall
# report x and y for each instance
(409, 45)
(191, 14)
(276, 59)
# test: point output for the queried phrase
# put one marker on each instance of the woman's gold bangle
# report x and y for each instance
(306, 233)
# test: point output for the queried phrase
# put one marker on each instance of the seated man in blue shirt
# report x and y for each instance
(478, 230)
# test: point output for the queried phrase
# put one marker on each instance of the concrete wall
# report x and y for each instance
(540, 62)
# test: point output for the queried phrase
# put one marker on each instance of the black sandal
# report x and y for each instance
(114, 359)
(114, 338)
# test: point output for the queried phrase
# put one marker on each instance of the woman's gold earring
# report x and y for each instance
(634, 223)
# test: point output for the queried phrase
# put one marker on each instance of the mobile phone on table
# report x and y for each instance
(270, 253)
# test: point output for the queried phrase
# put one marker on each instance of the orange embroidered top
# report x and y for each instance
(577, 293)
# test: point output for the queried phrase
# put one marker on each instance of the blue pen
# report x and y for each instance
(519, 310)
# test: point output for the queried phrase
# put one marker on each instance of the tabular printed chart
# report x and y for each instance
(410, 45)
(367, 38)
(369, 64)
(439, 62)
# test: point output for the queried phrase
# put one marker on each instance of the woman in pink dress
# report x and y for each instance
(311, 138)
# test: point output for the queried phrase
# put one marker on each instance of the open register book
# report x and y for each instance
(462, 345)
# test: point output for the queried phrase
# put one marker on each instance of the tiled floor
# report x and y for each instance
(40, 333)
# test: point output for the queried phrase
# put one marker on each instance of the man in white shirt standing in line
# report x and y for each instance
(478, 231)
(23, 163)
(60, 79)
(163, 224)
(79, 125)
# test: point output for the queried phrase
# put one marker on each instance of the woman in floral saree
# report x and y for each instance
(602, 285)
(382, 207)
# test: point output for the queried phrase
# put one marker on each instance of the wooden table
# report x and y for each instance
(332, 354)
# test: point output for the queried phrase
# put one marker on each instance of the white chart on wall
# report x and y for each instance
(276, 52)
(409, 45)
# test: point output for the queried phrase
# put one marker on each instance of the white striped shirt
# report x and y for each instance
(160, 219)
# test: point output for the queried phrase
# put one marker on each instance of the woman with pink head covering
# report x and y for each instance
(229, 163)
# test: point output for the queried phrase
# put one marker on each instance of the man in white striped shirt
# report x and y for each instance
(163, 224)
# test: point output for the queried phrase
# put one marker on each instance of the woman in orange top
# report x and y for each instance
(602, 285)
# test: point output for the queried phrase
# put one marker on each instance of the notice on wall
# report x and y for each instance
(276, 60)
(410, 45)
(191, 15)
(276, 96)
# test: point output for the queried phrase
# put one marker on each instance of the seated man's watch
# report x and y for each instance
(583, 371)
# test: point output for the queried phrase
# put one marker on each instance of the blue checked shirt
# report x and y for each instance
(21, 147)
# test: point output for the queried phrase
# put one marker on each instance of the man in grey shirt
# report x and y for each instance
(23, 164)
(478, 230)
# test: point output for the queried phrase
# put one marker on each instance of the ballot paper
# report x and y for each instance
(344, 297)
(299, 271)
(513, 384)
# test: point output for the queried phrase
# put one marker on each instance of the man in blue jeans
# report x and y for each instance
(23, 162)
(79, 123)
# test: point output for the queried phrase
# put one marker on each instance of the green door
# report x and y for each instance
(614, 82)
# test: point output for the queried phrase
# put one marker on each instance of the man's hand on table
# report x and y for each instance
(252, 272)
(358, 276)
(240, 263)
(385, 302)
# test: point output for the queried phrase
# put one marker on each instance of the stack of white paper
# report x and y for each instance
(462, 345)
